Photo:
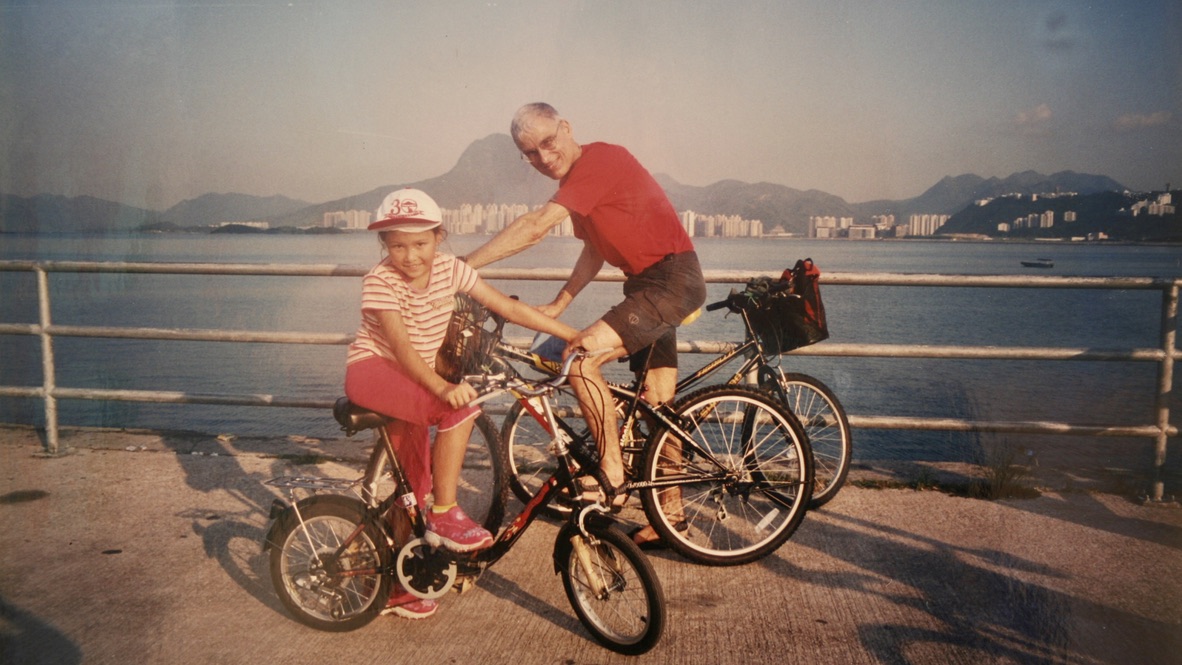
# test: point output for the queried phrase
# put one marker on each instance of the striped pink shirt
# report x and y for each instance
(426, 313)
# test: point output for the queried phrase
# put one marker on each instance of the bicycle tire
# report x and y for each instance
(630, 616)
(315, 592)
(528, 458)
(828, 428)
(483, 489)
(748, 496)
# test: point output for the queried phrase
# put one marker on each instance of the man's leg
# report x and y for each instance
(595, 398)
(662, 385)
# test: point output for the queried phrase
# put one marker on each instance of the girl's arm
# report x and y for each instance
(520, 313)
(394, 329)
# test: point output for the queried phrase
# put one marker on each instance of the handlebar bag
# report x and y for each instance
(794, 315)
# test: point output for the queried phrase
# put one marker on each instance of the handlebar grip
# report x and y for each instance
(782, 285)
(716, 305)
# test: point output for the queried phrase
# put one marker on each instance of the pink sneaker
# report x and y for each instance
(405, 604)
(456, 531)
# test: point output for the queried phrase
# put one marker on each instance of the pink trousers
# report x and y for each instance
(380, 385)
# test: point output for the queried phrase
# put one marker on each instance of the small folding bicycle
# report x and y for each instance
(335, 554)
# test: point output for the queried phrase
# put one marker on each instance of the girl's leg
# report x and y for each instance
(379, 385)
(411, 443)
(448, 460)
(447, 525)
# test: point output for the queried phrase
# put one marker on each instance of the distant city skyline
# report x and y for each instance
(150, 104)
(492, 217)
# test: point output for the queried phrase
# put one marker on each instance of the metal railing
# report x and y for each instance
(1164, 354)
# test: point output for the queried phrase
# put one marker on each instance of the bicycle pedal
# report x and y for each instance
(464, 584)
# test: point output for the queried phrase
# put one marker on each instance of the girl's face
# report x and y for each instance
(412, 253)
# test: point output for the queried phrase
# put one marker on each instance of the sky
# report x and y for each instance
(153, 103)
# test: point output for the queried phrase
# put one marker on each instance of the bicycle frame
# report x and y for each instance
(756, 359)
(713, 453)
(661, 415)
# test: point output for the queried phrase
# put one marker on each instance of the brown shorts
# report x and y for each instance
(656, 301)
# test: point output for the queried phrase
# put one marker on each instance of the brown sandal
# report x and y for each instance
(656, 543)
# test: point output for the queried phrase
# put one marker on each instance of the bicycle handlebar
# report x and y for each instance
(502, 383)
(749, 297)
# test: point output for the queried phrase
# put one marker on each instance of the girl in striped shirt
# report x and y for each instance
(406, 303)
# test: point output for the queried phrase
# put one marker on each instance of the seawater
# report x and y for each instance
(1006, 390)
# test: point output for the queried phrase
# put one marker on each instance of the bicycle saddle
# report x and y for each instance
(354, 418)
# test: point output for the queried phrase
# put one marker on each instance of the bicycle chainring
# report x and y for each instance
(423, 571)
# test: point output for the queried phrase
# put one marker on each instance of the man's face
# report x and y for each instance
(547, 144)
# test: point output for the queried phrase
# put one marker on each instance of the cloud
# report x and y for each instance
(1133, 121)
(1039, 115)
(1035, 121)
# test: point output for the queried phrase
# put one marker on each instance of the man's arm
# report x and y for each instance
(524, 232)
(585, 270)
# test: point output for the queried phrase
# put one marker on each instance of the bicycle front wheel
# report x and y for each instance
(828, 429)
(614, 590)
(483, 489)
(738, 486)
(320, 583)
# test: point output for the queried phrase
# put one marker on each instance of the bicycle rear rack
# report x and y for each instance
(313, 483)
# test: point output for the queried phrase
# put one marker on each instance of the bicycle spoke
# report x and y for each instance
(744, 494)
(326, 580)
(827, 427)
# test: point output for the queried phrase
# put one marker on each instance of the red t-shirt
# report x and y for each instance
(617, 206)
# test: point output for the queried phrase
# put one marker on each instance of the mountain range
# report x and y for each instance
(491, 171)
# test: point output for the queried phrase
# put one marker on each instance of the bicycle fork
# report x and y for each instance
(579, 543)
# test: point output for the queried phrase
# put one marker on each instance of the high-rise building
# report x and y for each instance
(926, 224)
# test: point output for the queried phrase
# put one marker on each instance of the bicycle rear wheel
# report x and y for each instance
(483, 488)
(615, 591)
(318, 587)
(529, 461)
(828, 429)
(743, 486)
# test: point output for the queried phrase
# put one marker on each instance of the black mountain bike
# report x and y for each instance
(812, 402)
(724, 474)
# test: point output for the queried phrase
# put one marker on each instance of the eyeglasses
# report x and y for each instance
(549, 144)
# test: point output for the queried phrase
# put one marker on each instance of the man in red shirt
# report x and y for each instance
(624, 219)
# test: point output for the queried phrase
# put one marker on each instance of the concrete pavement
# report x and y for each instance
(145, 548)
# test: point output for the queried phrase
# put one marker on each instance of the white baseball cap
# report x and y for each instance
(408, 210)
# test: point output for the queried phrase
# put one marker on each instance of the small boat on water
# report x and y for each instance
(1040, 263)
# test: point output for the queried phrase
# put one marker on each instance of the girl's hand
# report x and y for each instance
(457, 395)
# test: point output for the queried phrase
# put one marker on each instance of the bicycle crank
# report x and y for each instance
(423, 571)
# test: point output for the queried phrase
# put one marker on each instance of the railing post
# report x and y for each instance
(49, 381)
(1165, 384)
